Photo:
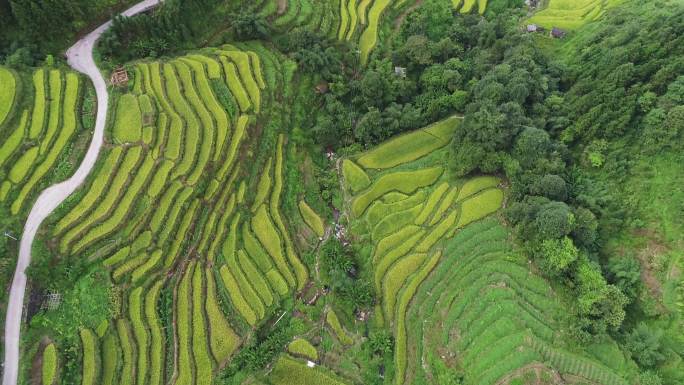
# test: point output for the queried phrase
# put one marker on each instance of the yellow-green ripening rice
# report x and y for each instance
(476, 185)
(480, 206)
(409, 147)
(128, 123)
(311, 218)
(8, 88)
(356, 178)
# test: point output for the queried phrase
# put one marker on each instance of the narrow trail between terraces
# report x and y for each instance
(80, 58)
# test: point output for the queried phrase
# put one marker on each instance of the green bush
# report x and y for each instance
(311, 218)
(354, 176)
(128, 121)
(223, 340)
(402, 181)
(301, 347)
(49, 369)
(409, 147)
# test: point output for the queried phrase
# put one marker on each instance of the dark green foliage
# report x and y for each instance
(644, 343)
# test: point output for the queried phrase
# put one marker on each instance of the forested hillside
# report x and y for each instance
(352, 192)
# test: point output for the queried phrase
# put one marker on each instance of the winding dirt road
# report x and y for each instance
(80, 58)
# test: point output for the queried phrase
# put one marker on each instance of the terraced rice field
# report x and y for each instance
(408, 210)
(356, 21)
(483, 309)
(168, 200)
(570, 14)
(38, 137)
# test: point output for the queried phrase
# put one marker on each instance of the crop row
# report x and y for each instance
(8, 93)
(64, 112)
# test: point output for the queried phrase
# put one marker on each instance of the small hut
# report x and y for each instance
(119, 77)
